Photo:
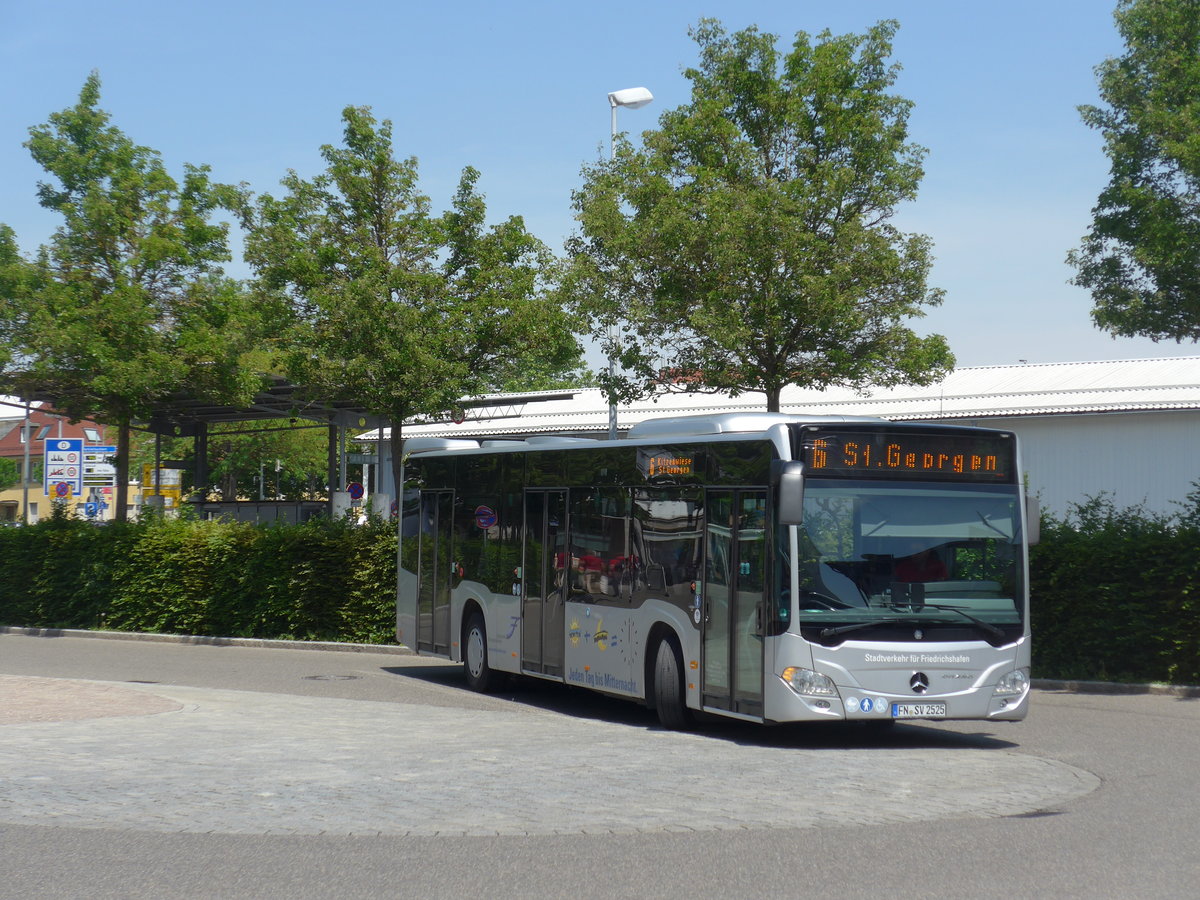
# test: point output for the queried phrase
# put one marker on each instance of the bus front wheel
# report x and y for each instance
(480, 676)
(669, 697)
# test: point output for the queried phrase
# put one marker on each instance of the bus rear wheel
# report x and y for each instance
(669, 696)
(480, 676)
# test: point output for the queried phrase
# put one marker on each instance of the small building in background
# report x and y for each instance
(17, 435)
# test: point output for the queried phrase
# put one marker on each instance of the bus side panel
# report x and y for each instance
(607, 645)
(602, 648)
(688, 633)
(406, 607)
(501, 618)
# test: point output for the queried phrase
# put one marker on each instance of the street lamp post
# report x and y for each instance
(632, 98)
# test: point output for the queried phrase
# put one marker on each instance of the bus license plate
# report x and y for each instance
(918, 710)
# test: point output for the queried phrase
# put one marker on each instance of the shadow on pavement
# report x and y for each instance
(584, 704)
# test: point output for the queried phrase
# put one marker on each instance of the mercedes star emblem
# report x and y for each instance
(919, 682)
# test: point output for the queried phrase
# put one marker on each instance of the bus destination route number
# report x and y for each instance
(883, 454)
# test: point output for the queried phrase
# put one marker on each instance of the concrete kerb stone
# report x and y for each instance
(335, 646)
(1115, 687)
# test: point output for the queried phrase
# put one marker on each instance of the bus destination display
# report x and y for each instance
(896, 454)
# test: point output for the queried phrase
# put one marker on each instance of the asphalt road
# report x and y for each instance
(133, 769)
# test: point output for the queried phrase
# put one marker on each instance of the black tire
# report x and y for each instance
(669, 696)
(480, 676)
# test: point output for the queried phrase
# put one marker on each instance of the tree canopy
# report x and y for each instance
(126, 303)
(748, 244)
(393, 307)
(13, 270)
(1141, 257)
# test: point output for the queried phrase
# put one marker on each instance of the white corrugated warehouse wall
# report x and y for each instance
(1150, 458)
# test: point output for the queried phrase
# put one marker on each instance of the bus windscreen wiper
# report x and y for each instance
(826, 600)
(857, 626)
(893, 620)
(986, 626)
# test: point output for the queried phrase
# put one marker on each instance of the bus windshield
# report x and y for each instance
(875, 555)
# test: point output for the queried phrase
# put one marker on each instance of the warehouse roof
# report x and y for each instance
(972, 392)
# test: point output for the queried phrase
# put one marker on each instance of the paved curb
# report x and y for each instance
(1044, 684)
(1112, 687)
(336, 646)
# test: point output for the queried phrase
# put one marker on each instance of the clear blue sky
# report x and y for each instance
(518, 90)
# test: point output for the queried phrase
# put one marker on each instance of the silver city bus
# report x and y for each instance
(773, 568)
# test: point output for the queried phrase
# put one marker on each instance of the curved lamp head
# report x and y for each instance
(633, 98)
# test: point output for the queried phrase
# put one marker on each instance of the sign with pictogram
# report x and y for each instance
(63, 465)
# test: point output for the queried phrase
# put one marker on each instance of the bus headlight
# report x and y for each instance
(808, 683)
(1014, 683)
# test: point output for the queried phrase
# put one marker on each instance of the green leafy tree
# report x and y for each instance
(1141, 256)
(14, 270)
(393, 307)
(126, 304)
(748, 245)
(10, 473)
(538, 376)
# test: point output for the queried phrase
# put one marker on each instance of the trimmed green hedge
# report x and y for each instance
(1116, 592)
(1116, 595)
(323, 580)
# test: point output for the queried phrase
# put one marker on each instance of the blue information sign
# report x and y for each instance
(64, 467)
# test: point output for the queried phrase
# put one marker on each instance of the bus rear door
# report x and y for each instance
(434, 572)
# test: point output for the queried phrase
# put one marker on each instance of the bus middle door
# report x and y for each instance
(546, 572)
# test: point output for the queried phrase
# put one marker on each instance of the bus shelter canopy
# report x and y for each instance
(182, 415)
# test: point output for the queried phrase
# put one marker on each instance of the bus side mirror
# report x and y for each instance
(1033, 520)
(788, 478)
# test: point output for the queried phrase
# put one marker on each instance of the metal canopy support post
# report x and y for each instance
(331, 467)
(341, 457)
(25, 473)
(201, 450)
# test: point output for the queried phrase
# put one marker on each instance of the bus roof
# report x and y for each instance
(742, 424)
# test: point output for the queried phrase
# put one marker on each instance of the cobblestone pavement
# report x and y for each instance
(159, 758)
(55, 700)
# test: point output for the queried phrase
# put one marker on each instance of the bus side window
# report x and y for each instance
(665, 539)
(599, 541)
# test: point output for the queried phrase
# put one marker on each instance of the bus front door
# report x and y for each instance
(546, 573)
(735, 571)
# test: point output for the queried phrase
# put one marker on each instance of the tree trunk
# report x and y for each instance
(773, 398)
(397, 460)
